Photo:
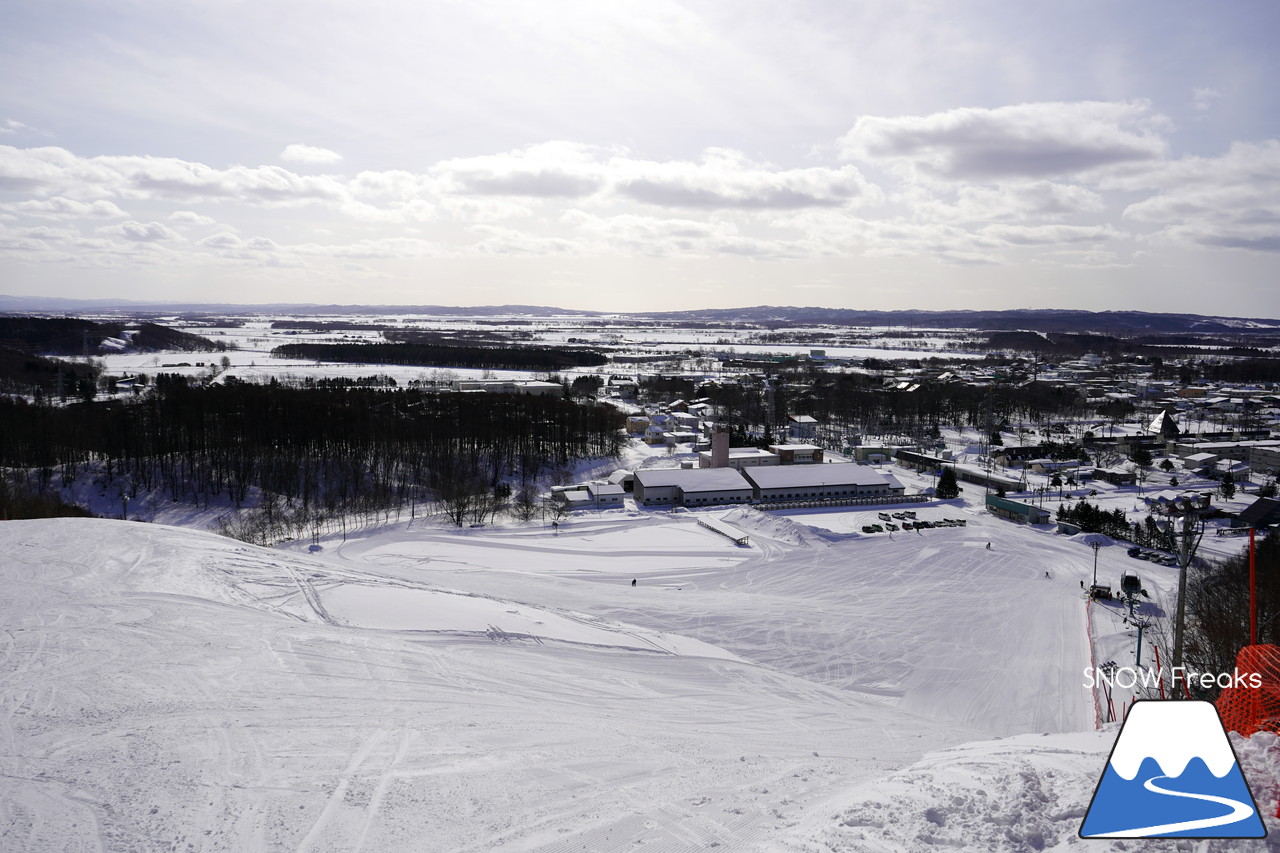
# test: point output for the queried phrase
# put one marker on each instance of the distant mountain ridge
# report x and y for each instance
(1029, 319)
(1019, 319)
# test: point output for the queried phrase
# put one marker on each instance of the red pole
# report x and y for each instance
(1253, 593)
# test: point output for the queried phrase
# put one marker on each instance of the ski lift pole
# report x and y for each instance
(1253, 591)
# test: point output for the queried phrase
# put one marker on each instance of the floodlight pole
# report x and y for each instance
(1096, 546)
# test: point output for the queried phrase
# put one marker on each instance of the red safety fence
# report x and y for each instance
(1249, 709)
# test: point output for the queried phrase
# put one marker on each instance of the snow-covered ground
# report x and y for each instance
(417, 687)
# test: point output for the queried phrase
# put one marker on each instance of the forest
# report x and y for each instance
(445, 355)
(318, 450)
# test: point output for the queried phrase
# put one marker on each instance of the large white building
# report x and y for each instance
(820, 482)
(691, 487)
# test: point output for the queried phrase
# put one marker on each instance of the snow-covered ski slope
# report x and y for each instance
(423, 689)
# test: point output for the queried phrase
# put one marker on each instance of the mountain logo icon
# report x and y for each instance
(1172, 774)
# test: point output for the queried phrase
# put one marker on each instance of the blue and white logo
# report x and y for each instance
(1172, 774)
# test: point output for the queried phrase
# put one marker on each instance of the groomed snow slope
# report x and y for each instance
(933, 623)
(173, 690)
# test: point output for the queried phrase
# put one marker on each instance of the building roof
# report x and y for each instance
(799, 476)
(693, 479)
(611, 489)
(1261, 512)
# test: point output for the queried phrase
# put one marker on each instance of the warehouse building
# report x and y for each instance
(691, 487)
(820, 482)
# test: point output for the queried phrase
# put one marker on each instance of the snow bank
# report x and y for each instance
(777, 527)
(1029, 792)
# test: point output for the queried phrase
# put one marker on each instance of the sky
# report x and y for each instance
(665, 154)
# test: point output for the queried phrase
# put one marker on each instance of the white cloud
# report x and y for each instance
(550, 170)
(309, 155)
(59, 207)
(1202, 98)
(141, 232)
(1047, 235)
(1019, 142)
(190, 217)
(1230, 202)
(727, 179)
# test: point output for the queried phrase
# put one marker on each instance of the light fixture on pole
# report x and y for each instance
(1096, 546)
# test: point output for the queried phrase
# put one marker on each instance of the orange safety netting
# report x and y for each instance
(1248, 709)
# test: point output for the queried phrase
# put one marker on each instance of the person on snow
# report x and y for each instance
(633, 581)
(988, 546)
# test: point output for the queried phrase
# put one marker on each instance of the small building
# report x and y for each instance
(1117, 476)
(802, 427)
(606, 496)
(739, 457)
(1018, 511)
(790, 454)
(1264, 512)
(1164, 426)
(1199, 461)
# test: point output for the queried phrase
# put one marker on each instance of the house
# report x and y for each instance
(1117, 476)
(1016, 457)
(819, 482)
(802, 427)
(1199, 461)
(690, 487)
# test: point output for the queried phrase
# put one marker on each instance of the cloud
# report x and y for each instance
(1230, 202)
(59, 207)
(309, 155)
(978, 203)
(1020, 142)
(1048, 235)
(140, 232)
(726, 179)
(550, 170)
(190, 217)
(1202, 98)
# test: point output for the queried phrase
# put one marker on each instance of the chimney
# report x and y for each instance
(720, 447)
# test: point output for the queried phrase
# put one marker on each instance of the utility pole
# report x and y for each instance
(1192, 530)
(1095, 546)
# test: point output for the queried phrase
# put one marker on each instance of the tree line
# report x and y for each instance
(444, 355)
(319, 449)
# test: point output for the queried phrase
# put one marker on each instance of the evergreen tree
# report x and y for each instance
(947, 485)
(1228, 487)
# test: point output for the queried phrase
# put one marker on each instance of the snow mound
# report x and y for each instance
(1029, 792)
(778, 528)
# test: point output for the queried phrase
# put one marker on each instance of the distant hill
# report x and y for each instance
(772, 316)
(71, 337)
(1038, 320)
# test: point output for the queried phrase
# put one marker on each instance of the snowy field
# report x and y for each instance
(430, 689)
